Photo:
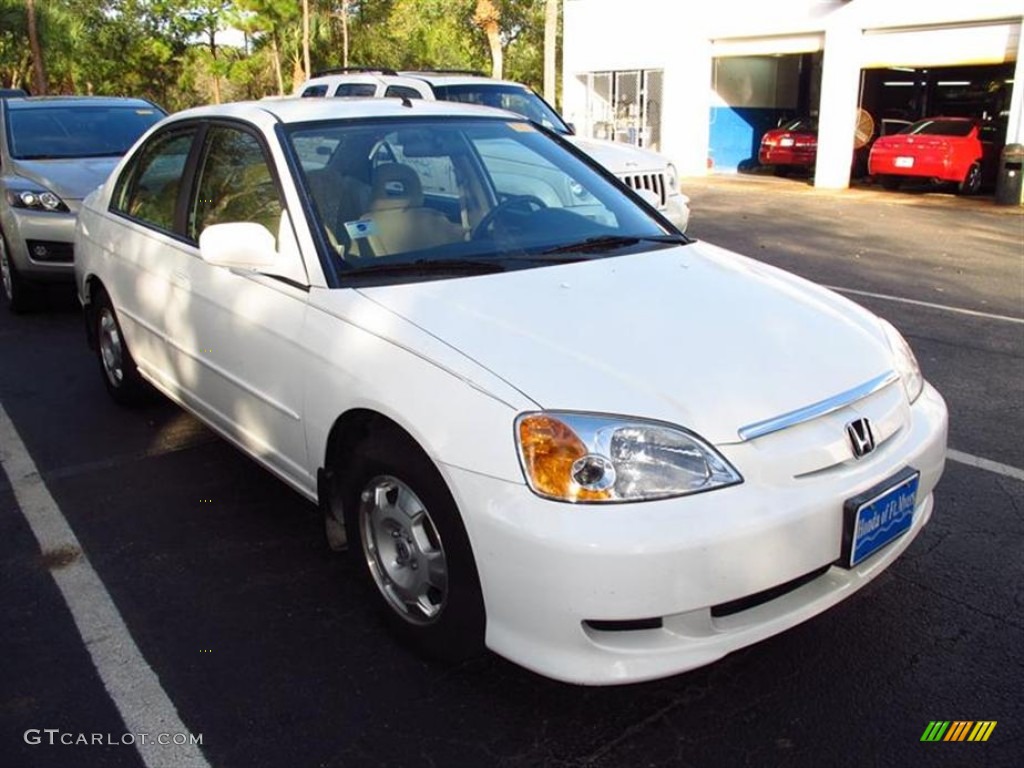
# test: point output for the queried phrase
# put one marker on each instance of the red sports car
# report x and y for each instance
(945, 149)
(792, 144)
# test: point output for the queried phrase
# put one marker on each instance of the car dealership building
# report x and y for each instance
(703, 86)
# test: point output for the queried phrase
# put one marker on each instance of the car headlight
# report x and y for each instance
(36, 200)
(905, 362)
(582, 457)
(672, 178)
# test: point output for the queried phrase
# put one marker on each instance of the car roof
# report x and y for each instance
(431, 77)
(299, 110)
(41, 102)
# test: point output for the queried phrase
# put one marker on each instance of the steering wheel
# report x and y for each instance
(529, 204)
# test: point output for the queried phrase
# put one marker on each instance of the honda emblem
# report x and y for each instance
(861, 437)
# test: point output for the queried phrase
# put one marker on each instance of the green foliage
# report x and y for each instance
(160, 49)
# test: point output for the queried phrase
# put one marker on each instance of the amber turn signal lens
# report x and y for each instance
(549, 450)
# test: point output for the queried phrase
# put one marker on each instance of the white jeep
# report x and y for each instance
(647, 172)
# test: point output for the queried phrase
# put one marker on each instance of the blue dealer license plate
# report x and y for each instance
(879, 516)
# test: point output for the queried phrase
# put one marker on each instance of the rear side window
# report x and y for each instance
(314, 90)
(148, 188)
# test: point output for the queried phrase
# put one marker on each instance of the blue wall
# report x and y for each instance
(736, 134)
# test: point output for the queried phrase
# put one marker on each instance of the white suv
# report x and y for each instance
(645, 171)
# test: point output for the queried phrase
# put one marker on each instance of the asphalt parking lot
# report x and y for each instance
(262, 641)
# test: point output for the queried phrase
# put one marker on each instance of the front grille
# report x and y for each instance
(759, 598)
(654, 182)
(50, 252)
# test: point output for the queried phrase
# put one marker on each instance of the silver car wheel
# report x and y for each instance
(5, 273)
(403, 550)
(111, 348)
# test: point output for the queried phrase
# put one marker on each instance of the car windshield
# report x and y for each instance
(940, 128)
(71, 131)
(514, 98)
(462, 195)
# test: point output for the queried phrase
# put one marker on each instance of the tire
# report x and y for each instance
(19, 295)
(971, 183)
(782, 171)
(891, 182)
(117, 366)
(403, 525)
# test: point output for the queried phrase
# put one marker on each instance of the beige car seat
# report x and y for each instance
(398, 220)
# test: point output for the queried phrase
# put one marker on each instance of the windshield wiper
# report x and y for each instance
(611, 242)
(458, 266)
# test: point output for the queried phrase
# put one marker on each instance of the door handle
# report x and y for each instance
(180, 279)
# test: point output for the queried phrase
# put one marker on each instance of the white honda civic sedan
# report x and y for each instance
(544, 420)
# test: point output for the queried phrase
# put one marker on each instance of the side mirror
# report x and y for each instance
(238, 245)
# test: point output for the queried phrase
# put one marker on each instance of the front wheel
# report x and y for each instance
(120, 374)
(17, 293)
(972, 181)
(414, 547)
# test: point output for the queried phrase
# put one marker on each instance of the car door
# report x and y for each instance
(235, 336)
(146, 249)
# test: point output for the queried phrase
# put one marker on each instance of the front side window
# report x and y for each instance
(148, 188)
(75, 130)
(314, 91)
(488, 193)
(235, 183)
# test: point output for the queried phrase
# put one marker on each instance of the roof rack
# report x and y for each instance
(473, 72)
(343, 70)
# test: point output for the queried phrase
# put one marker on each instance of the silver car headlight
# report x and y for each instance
(904, 361)
(581, 457)
(36, 199)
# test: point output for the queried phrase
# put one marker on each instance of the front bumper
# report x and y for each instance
(549, 570)
(54, 232)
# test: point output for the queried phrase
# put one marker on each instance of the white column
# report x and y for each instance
(1015, 125)
(840, 84)
(686, 106)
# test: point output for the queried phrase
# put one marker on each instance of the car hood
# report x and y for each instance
(70, 179)
(694, 335)
(618, 157)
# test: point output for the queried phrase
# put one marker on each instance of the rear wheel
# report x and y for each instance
(403, 523)
(783, 170)
(17, 293)
(972, 181)
(120, 374)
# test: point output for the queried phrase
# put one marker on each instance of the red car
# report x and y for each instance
(792, 144)
(946, 149)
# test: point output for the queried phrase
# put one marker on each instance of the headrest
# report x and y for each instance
(396, 186)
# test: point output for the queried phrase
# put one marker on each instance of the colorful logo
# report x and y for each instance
(958, 730)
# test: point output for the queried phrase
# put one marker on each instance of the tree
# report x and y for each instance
(488, 18)
(38, 65)
(550, 38)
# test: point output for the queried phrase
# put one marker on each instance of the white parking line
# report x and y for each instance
(133, 686)
(901, 300)
(987, 464)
